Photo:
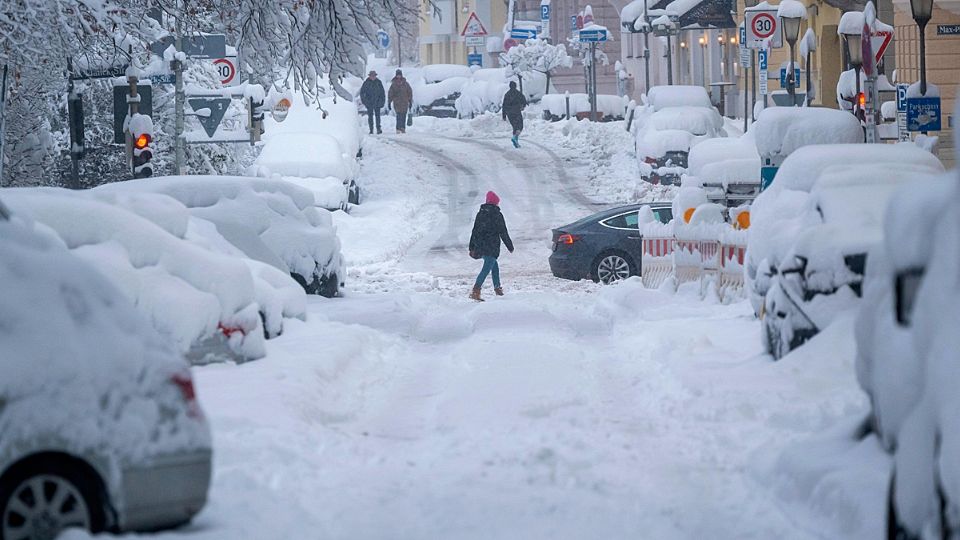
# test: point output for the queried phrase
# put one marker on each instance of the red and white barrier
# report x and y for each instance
(657, 263)
(715, 263)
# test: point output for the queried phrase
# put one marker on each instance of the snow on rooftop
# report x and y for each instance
(634, 10)
(782, 130)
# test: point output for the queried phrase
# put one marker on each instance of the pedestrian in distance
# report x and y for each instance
(489, 229)
(512, 109)
(373, 98)
(401, 98)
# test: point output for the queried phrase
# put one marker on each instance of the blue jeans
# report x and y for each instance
(489, 265)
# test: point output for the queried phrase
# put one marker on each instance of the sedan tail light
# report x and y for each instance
(184, 382)
(567, 239)
(650, 160)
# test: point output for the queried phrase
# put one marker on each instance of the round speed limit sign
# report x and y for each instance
(764, 25)
(227, 69)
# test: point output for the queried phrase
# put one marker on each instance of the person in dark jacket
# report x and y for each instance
(373, 98)
(401, 98)
(512, 108)
(489, 229)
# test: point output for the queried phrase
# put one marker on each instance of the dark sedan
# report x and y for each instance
(604, 247)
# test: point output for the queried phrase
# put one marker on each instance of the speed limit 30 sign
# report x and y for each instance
(763, 29)
(227, 69)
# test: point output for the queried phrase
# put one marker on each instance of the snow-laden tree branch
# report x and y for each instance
(535, 55)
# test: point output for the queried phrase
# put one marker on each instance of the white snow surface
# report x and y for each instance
(791, 9)
(782, 130)
(662, 97)
(850, 23)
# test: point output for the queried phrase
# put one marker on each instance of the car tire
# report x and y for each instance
(83, 499)
(611, 266)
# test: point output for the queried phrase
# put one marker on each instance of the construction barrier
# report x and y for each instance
(714, 264)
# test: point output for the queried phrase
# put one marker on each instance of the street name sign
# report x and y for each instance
(99, 72)
(195, 46)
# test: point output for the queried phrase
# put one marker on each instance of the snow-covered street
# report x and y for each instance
(561, 410)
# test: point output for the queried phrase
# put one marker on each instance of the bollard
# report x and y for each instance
(568, 105)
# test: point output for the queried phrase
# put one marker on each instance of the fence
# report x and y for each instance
(716, 264)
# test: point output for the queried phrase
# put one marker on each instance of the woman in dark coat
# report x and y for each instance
(489, 229)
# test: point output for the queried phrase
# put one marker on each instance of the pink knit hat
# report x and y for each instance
(492, 198)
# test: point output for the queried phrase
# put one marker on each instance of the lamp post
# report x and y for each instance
(703, 60)
(683, 60)
(922, 10)
(791, 31)
(855, 53)
(723, 55)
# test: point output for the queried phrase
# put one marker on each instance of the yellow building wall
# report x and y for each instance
(450, 48)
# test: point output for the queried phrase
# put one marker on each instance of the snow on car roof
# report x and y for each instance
(721, 149)
(780, 131)
(802, 168)
(696, 120)
(662, 97)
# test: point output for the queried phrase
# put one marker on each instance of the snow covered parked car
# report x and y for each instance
(271, 221)
(907, 346)
(675, 119)
(317, 148)
(158, 271)
(728, 168)
(100, 427)
(811, 234)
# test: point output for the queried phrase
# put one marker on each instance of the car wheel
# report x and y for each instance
(41, 499)
(612, 266)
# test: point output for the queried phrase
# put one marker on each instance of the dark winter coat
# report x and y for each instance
(401, 95)
(489, 229)
(371, 94)
(513, 103)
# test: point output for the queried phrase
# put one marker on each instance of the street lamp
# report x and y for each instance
(855, 53)
(791, 31)
(703, 60)
(922, 10)
(683, 61)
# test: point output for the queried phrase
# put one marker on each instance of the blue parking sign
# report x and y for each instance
(923, 114)
(573, 22)
(545, 12)
(902, 97)
(783, 77)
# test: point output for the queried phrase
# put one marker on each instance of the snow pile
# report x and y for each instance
(791, 9)
(433, 73)
(313, 155)
(611, 107)
(272, 221)
(779, 131)
(851, 23)
(82, 370)
(158, 272)
(696, 120)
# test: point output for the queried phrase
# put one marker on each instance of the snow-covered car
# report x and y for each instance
(158, 271)
(675, 119)
(728, 168)
(824, 223)
(906, 362)
(100, 427)
(317, 147)
(271, 221)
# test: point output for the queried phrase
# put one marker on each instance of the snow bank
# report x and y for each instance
(82, 369)
(433, 73)
(608, 105)
(779, 131)
(313, 155)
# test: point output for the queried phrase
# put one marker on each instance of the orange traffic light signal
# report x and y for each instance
(141, 142)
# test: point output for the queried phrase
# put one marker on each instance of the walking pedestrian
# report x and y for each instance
(512, 109)
(489, 229)
(373, 98)
(401, 97)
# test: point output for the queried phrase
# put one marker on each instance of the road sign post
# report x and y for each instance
(593, 36)
(903, 134)
(545, 18)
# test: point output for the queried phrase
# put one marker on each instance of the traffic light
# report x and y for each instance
(142, 154)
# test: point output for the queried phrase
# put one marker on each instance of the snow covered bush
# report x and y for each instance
(536, 55)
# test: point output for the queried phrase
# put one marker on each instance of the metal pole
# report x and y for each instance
(593, 81)
(703, 64)
(753, 85)
(646, 47)
(74, 158)
(3, 110)
(923, 57)
(791, 83)
(669, 60)
(133, 103)
(746, 95)
(179, 100)
(806, 98)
